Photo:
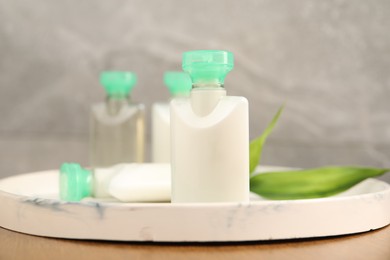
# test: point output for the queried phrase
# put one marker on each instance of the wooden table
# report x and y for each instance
(374, 245)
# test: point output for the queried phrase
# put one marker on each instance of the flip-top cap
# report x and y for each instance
(208, 66)
(118, 82)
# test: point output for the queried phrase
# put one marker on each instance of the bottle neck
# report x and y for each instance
(207, 85)
(114, 103)
(205, 97)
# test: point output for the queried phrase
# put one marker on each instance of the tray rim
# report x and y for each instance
(42, 205)
(203, 204)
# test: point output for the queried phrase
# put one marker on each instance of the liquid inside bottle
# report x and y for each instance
(117, 125)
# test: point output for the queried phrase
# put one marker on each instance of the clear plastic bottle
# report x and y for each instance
(179, 85)
(117, 126)
(209, 135)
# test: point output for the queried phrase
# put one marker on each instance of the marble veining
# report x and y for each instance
(165, 222)
(99, 208)
(54, 205)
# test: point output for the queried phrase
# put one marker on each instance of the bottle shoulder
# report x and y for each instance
(102, 107)
(226, 102)
(228, 108)
(160, 106)
(100, 113)
(161, 111)
(238, 99)
(230, 99)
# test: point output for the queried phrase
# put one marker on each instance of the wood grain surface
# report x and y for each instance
(373, 245)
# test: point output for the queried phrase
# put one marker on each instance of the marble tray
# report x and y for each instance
(29, 204)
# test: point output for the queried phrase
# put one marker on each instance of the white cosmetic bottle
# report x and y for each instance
(209, 135)
(179, 85)
(127, 182)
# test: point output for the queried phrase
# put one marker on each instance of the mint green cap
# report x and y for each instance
(207, 66)
(118, 82)
(178, 83)
(75, 182)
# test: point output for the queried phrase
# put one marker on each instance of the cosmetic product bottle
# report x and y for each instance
(134, 182)
(179, 85)
(209, 135)
(117, 126)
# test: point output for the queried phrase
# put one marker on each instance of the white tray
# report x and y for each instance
(29, 203)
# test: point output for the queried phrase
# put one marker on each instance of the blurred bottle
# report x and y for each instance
(179, 85)
(117, 127)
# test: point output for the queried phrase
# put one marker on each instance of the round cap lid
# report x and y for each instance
(208, 66)
(177, 82)
(118, 82)
(75, 182)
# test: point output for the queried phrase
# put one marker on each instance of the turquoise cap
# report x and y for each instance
(178, 83)
(75, 182)
(208, 66)
(118, 82)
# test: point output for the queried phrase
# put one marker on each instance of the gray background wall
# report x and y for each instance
(328, 61)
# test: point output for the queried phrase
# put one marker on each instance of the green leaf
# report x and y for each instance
(310, 183)
(256, 145)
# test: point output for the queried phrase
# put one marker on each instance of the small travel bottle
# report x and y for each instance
(127, 182)
(117, 125)
(209, 135)
(179, 85)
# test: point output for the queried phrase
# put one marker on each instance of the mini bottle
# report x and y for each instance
(179, 85)
(135, 182)
(209, 135)
(117, 125)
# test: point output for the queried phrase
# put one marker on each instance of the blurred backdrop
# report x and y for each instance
(328, 61)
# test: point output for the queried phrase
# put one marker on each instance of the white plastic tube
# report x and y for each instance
(141, 183)
(136, 182)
